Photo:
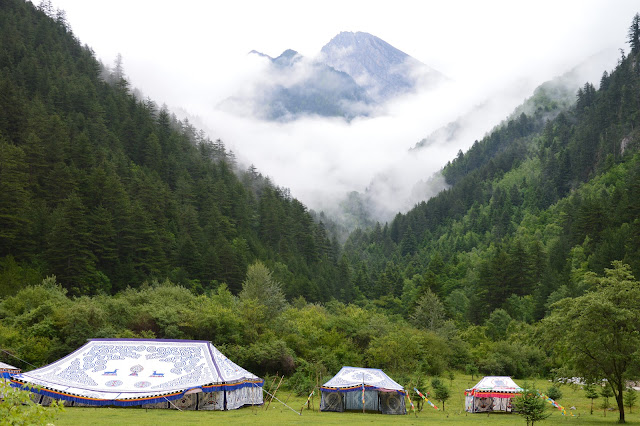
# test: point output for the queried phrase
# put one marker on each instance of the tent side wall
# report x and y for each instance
(217, 400)
(468, 403)
(483, 404)
(332, 401)
(213, 397)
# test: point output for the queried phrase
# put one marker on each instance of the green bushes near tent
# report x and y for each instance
(306, 342)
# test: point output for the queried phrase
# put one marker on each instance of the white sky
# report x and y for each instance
(193, 53)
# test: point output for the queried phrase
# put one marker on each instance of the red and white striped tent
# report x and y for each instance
(492, 393)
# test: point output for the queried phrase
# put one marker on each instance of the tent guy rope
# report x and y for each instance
(20, 359)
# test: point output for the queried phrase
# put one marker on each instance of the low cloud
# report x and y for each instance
(322, 159)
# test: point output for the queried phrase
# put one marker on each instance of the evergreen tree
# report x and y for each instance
(630, 398)
(68, 251)
(260, 286)
(440, 391)
(591, 393)
(14, 197)
(409, 244)
(530, 406)
(634, 34)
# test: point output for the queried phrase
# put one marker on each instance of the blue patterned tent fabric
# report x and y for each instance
(126, 372)
(6, 370)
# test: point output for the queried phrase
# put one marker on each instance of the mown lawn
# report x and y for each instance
(279, 414)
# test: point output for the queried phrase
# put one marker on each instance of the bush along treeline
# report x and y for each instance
(257, 329)
(118, 220)
(105, 190)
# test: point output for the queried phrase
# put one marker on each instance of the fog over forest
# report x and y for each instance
(194, 57)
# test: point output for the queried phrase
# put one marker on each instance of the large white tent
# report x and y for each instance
(189, 374)
(492, 393)
(345, 392)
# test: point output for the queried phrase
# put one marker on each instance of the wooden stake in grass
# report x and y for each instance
(308, 399)
(313, 394)
(272, 383)
(412, 406)
(274, 392)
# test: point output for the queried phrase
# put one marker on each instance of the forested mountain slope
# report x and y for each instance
(104, 190)
(533, 206)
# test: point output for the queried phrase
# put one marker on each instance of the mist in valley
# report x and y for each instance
(196, 57)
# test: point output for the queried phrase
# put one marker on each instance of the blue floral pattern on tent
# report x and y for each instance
(112, 372)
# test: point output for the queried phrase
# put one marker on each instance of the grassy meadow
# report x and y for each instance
(279, 414)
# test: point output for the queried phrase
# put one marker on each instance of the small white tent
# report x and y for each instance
(345, 392)
(492, 393)
(187, 374)
(6, 371)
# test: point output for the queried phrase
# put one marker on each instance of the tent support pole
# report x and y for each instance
(274, 392)
(362, 393)
(273, 382)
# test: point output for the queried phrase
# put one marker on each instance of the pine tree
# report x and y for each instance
(440, 391)
(630, 398)
(634, 34)
(262, 287)
(409, 244)
(68, 253)
(591, 393)
(13, 197)
(530, 406)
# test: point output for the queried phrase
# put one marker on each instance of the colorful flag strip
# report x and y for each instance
(411, 402)
(555, 404)
(425, 398)
(309, 398)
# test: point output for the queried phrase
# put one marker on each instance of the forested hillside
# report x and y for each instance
(105, 190)
(118, 220)
(533, 206)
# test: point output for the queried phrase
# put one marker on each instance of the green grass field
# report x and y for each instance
(277, 413)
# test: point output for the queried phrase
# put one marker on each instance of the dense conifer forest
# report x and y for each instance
(105, 190)
(119, 220)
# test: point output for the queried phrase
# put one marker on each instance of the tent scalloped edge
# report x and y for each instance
(127, 402)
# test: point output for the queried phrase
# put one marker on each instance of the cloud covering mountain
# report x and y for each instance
(354, 75)
(291, 85)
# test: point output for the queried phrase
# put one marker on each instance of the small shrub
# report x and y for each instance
(530, 406)
(554, 393)
(17, 408)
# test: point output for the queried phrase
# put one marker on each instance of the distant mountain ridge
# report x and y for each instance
(297, 86)
(353, 75)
